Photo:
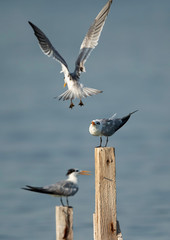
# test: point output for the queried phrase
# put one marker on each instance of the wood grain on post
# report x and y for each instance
(105, 224)
(64, 223)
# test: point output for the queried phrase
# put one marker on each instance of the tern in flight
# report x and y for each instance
(65, 188)
(107, 126)
(72, 80)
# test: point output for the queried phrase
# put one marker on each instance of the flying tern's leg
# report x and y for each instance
(81, 103)
(61, 200)
(71, 104)
(106, 141)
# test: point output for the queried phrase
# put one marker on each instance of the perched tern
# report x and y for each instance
(107, 126)
(65, 188)
(72, 80)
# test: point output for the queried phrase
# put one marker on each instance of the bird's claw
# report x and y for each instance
(71, 105)
(81, 103)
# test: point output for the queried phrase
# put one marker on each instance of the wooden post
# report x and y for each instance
(104, 218)
(64, 223)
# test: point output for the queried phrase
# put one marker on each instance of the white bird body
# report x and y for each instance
(95, 130)
(65, 188)
(107, 126)
(72, 80)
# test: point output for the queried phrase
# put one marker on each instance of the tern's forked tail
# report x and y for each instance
(81, 93)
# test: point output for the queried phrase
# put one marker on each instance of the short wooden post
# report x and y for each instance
(64, 223)
(104, 218)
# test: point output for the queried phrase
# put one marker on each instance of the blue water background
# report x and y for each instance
(40, 137)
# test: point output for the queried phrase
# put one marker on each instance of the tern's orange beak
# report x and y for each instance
(85, 173)
(93, 123)
(65, 84)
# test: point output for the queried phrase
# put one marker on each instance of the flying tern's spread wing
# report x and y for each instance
(91, 39)
(48, 49)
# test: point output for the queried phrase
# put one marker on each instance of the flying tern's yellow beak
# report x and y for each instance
(93, 123)
(85, 173)
(65, 84)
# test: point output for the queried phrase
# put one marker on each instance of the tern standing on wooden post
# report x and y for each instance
(107, 126)
(65, 188)
(72, 80)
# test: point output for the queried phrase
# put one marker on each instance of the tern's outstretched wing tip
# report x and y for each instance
(92, 37)
(47, 48)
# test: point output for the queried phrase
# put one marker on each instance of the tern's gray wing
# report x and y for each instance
(91, 39)
(123, 120)
(48, 49)
(110, 126)
(112, 117)
(63, 188)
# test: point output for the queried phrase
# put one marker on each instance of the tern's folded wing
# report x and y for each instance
(63, 188)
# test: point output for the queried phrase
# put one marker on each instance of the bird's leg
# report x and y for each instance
(106, 141)
(71, 104)
(100, 141)
(81, 103)
(61, 200)
(67, 201)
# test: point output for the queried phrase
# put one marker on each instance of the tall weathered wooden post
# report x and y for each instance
(104, 218)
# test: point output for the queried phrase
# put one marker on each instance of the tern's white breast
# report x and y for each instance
(94, 130)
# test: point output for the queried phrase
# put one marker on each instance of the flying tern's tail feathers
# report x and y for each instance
(90, 91)
(66, 95)
(82, 93)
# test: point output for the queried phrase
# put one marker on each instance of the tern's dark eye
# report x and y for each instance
(97, 123)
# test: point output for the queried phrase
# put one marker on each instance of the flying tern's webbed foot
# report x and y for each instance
(81, 103)
(71, 105)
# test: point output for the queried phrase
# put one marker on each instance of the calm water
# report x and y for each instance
(40, 138)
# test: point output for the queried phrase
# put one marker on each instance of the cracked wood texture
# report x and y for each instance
(104, 218)
(64, 223)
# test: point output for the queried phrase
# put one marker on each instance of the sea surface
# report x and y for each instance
(40, 137)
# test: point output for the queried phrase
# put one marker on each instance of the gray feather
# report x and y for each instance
(63, 188)
(91, 39)
(46, 46)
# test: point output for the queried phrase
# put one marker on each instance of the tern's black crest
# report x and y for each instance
(71, 170)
